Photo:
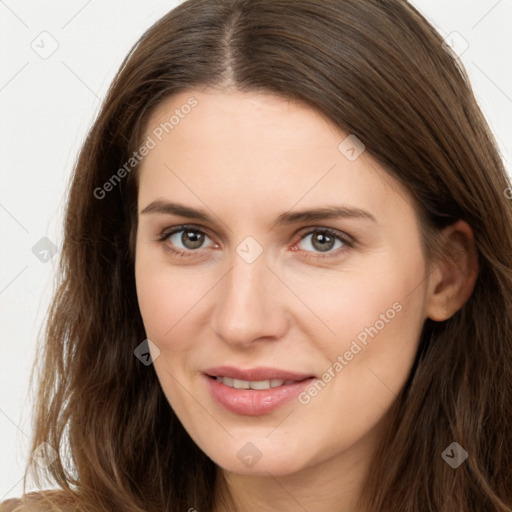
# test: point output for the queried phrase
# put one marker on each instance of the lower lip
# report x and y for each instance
(254, 402)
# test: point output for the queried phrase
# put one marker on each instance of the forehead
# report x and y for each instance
(255, 148)
(217, 114)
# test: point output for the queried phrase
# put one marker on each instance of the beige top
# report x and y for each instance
(11, 505)
(46, 501)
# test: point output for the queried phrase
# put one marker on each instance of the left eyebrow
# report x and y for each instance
(165, 207)
(337, 212)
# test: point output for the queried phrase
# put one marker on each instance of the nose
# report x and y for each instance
(250, 304)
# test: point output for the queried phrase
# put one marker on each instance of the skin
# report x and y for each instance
(246, 158)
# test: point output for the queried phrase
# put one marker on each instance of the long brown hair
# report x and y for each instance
(377, 69)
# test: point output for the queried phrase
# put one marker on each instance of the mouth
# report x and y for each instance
(254, 384)
(255, 391)
(259, 374)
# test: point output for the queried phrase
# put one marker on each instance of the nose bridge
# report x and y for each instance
(246, 309)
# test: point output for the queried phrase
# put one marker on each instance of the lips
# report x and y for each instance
(255, 391)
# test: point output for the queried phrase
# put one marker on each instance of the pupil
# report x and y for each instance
(323, 242)
(192, 239)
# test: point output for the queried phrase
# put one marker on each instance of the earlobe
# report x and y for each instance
(454, 276)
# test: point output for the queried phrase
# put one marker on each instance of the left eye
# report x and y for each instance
(323, 240)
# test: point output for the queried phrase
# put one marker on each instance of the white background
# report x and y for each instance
(47, 106)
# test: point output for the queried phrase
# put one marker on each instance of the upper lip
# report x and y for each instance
(256, 374)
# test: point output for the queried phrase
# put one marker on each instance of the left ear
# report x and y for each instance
(453, 277)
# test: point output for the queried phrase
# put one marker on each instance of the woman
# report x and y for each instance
(286, 275)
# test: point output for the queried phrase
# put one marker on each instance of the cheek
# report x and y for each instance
(157, 294)
(378, 335)
(376, 313)
(368, 362)
(168, 297)
(380, 309)
(376, 297)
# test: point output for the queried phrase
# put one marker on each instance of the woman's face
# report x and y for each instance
(299, 275)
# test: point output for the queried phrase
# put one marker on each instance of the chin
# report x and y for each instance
(274, 467)
(260, 457)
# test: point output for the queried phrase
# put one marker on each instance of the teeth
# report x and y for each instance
(241, 384)
(228, 381)
(253, 384)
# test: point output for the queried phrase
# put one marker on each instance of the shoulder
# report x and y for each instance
(41, 501)
(9, 505)
(12, 505)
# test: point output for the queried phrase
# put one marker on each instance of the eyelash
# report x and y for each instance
(347, 241)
